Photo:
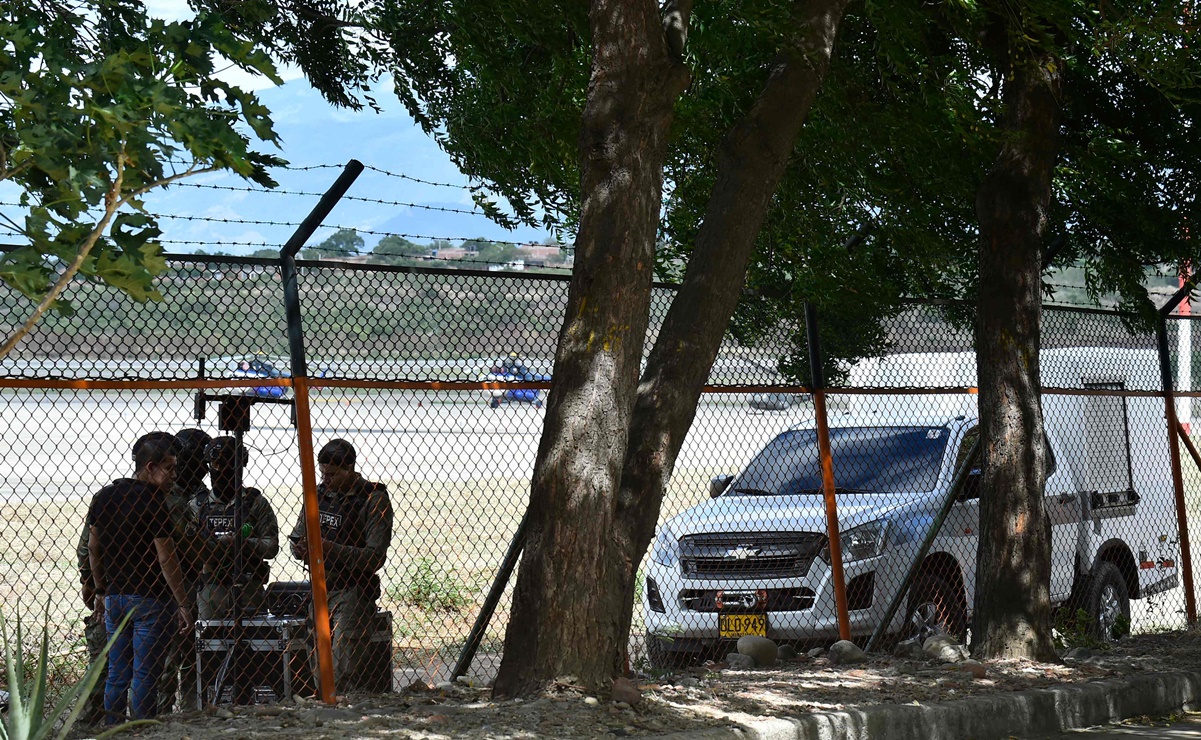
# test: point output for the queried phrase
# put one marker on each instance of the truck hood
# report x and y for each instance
(799, 513)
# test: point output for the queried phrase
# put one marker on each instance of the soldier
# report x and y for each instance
(356, 530)
(94, 632)
(179, 666)
(260, 535)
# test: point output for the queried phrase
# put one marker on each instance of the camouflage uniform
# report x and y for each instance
(179, 663)
(215, 599)
(95, 635)
(358, 524)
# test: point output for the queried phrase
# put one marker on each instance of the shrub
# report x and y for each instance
(434, 589)
(27, 716)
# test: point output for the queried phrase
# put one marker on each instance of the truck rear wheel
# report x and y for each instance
(935, 607)
(1108, 603)
(659, 655)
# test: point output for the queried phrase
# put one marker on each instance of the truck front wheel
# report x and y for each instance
(935, 607)
(1108, 603)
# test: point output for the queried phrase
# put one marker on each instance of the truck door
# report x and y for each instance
(1063, 509)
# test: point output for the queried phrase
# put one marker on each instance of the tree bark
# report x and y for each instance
(609, 443)
(563, 621)
(1013, 566)
(751, 161)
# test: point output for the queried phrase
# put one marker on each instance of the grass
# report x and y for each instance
(458, 486)
(457, 474)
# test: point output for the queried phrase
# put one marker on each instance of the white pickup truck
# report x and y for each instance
(754, 559)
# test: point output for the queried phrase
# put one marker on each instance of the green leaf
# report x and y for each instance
(88, 84)
(26, 719)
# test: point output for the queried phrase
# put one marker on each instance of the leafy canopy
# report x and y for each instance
(341, 243)
(99, 104)
(896, 145)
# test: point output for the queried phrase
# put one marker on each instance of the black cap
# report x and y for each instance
(192, 442)
(222, 451)
(337, 452)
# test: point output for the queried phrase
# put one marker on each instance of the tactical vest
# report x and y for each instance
(182, 506)
(217, 518)
(344, 522)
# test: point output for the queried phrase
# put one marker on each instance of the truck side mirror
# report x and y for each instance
(971, 486)
(718, 485)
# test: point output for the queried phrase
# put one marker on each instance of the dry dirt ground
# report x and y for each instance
(688, 699)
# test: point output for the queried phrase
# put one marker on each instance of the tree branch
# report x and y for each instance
(113, 201)
(167, 181)
(677, 14)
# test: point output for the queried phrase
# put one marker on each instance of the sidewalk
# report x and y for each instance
(1185, 728)
(1037, 713)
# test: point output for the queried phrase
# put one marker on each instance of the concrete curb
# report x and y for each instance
(1037, 711)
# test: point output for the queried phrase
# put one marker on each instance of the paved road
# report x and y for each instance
(1188, 726)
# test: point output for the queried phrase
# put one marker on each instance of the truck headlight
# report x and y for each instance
(667, 548)
(860, 543)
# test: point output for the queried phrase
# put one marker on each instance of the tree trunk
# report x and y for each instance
(751, 161)
(595, 501)
(563, 621)
(1013, 567)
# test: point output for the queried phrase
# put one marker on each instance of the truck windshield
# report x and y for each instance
(866, 459)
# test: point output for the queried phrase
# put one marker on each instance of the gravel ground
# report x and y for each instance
(690, 699)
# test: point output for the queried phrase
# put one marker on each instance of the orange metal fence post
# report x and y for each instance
(304, 422)
(818, 383)
(827, 463)
(312, 530)
(1169, 400)
(1186, 568)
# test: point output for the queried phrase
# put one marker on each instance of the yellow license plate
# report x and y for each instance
(740, 625)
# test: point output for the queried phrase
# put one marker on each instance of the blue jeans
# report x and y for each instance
(137, 654)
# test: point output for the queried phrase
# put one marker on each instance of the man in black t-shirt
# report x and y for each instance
(136, 574)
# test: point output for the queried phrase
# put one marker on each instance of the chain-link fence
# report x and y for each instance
(436, 380)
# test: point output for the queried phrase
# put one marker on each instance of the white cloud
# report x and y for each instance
(221, 210)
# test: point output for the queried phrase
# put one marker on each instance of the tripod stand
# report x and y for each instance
(234, 416)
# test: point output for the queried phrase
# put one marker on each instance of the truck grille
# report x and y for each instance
(749, 555)
(778, 600)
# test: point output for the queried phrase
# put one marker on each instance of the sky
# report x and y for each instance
(315, 134)
(200, 216)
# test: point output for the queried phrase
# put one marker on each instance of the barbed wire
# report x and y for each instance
(388, 173)
(1065, 285)
(1075, 304)
(352, 253)
(403, 176)
(318, 195)
(195, 242)
(336, 227)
